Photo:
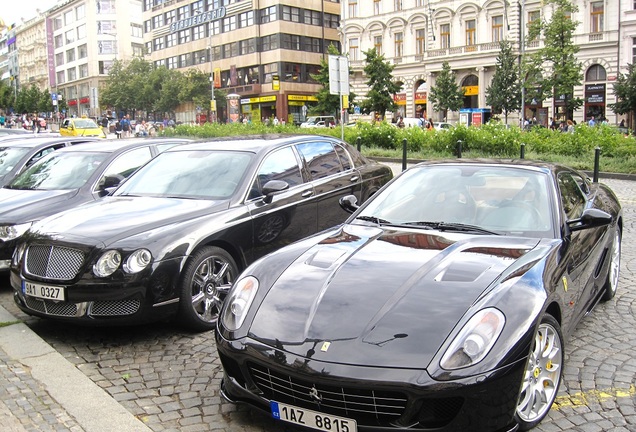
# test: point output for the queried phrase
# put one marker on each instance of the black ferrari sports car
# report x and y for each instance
(172, 239)
(443, 303)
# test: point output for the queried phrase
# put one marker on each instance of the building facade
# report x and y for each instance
(260, 53)
(417, 36)
(32, 55)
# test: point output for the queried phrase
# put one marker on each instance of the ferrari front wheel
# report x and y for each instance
(542, 376)
(614, 267)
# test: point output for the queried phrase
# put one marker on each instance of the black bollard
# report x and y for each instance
(459, 149)
(359, 143)
(404, 154)
(597, 157)
(523, 151)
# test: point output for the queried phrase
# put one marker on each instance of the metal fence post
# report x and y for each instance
(523, 151)
(597, 157)
(359, 143)
(404, 154)
(459, 149)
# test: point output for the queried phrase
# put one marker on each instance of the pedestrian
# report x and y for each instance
(430, 126)
(591, 122)
(2, 120)
(104, 124)
(125, 125)
(570, 126)
(622, 123)
(553, 123)
(118, 129)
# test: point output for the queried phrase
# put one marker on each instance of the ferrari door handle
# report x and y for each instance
(307, 193)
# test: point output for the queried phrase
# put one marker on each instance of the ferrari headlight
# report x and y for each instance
(11, 232)
(475, 340)
(107, 263)
(137, 261)
(238, 303)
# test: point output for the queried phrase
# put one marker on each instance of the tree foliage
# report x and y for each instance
(446, 94)
(558, 53)
(504, 92)
(328, 103)
(381, 85)
(625, 92)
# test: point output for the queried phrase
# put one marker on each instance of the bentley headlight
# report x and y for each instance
(238, 303)
(17, 253)
(107, 263)
(475, 340)
(12, 232)
(137, 261)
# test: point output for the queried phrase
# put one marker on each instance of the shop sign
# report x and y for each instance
(246, 101)
(84, 100)
(420, 98)
(471, 90)
(312, 99)
(595, 93)
(268, 99)
(211, 15)
(296, 103)
(399, 98)
(296, 98)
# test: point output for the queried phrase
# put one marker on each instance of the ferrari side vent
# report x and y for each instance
(368, 406)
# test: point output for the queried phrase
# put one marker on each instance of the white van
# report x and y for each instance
(319, 121)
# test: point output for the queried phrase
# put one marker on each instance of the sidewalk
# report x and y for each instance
(42, 390)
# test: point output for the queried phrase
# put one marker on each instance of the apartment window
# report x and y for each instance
(80, 12)
(83, 71)
(60, 77)
(312, 17)
(229, 24)
(269, 70)
(269, 42)
(138, 50)
(59, 41)
(234, 49)
(291, 72)
(533, 16)
(82, 51)
(185, 60)
(68, 17)
(397, 5)
(354, 49)
(399, 44)
(170, 17)
(136, 30)
(376, 7)
(312, 45)
(597, 17)
(246, 19)
(173, 63)
(70, 55)
(198, 32)
(157, 21)
(148, 26)
(291, 14)
(69, 37)
(148, 47)
(247, 46)
(184, 36)
(197, 7)
(497, 28)
(291, 42)
(268, 14)
(171, 40)
(213, 4)
(470, 33)
(596, 73)
(353, 8)
(183, 12)
(420, 41)
(59, 59)
(332, 21)
(81, 32)
(377, 44)
(57, 23)
(419, 3)
(444, 35)
(159, 44)
(71, 74)
(104, 66)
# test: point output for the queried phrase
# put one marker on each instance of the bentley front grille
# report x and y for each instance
(53, 262)
(96, 309)
(51, 307)
(366, 406)
(114, 308)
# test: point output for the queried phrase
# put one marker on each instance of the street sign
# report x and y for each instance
(338, 75)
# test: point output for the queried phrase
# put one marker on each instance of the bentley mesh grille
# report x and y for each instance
(114, 308)
(52, 308)
(366, 406)
(53, 262)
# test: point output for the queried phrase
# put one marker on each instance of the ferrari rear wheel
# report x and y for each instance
(207, 278)
(614, 268)
(542, 376)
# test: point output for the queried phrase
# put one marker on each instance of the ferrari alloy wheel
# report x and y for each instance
(207, 278)
(614, 268)
(542, 376)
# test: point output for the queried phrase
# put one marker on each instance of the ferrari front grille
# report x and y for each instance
(369, 407)
(53, 262)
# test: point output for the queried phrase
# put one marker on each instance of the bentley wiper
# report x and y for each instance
(374, 219)
(452, 226)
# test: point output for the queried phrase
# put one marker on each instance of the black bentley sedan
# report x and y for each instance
(173, 237)
(443, 303)
(67, 178)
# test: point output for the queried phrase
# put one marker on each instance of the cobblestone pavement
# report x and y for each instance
(169, 379)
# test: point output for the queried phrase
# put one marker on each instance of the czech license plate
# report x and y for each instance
(43, 291)
(312, 419)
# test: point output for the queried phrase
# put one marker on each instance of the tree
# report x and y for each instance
(625, 92)
(559, 52)
(327, 103)
(504, 92)
(381, 85)
(446, 94)
(127, 87)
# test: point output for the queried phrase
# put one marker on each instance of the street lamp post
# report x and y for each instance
(212, 99)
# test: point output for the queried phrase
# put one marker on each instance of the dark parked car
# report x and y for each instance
(443, 303)
(175, 235)
(16, 154)
(67, 178)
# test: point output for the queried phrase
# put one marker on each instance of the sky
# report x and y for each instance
(13, 12)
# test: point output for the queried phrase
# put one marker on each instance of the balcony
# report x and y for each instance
(595, 37)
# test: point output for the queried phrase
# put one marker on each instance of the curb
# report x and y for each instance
(88, 404)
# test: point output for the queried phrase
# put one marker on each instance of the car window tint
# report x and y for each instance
(126, 164)
(278, 165)
(9, 157)
(321, 159)
(345, 160)
(571, 196)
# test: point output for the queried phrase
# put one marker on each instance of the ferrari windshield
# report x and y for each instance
(9, 157)
(500, 199)
(59, 170)
(203, 174)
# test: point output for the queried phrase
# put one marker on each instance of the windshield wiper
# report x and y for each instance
(452, 226)
(374, 219)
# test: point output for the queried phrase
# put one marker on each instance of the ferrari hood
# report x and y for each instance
(19, 206)
(381, 297)
(112, 218)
